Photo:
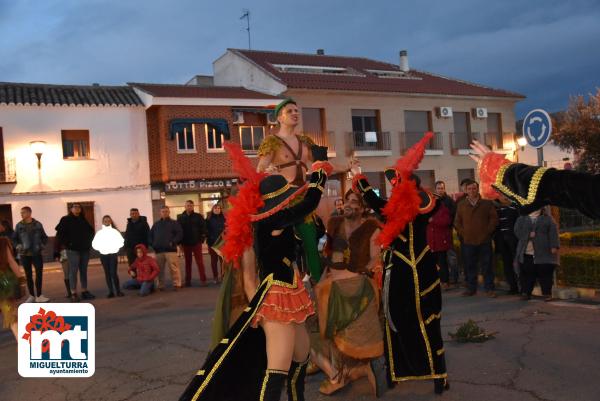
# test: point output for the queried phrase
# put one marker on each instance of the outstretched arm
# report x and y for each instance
(296, 214)
(362, 186)
(532, 187)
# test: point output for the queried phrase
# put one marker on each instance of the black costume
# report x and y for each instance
(412, 297)
(236, 368)
(533, 187)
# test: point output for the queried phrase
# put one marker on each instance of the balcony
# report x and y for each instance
(8, 174)
(370, 143)
(326, 138)
(435, 147)
(497, 141)
(460, 141)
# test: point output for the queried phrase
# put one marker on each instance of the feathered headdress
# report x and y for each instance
(238, 233)
(403, 205)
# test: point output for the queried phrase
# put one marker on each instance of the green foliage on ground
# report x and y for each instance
(470, 332)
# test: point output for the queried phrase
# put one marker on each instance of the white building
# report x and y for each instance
(95, 151)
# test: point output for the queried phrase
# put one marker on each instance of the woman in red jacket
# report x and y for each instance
(439, 239)
(143, 272)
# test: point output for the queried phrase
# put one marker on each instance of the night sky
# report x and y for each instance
(546, 50)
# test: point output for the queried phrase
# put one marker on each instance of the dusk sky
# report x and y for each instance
(544, 49)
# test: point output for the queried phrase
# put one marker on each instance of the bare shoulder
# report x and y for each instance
(269, 146)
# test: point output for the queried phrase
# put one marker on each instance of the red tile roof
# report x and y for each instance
(191, 91)
(359, 79)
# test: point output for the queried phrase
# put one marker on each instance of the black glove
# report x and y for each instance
(319, 153)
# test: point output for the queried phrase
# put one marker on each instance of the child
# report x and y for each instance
(143, 272)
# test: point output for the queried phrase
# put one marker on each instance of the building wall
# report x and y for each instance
(115, 177)
(166, 164)
(338, 107)
(233, 70)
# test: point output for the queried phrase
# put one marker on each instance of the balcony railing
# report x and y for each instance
(326, 138)
(408, 139)
(9, 173)
(496, 140)
(460, 141)
(370, 141)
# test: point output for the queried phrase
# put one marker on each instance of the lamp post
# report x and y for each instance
(38, 147)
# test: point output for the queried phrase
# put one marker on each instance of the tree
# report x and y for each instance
(578, 130)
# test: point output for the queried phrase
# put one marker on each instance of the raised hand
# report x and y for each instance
(480, 150)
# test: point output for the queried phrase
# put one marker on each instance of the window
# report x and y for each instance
(76, 144)
(185, 141)
(416, 123)
(427, 178)
(462, 130)
(364, 120)
(251, 137)
(214, 139)
(494, 130)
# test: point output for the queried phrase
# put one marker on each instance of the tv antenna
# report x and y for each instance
(246, 15)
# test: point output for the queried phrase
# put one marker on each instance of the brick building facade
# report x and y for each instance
(186, 128)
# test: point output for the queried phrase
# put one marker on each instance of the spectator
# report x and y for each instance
(165, 235)
(31, 238)
(108, 241)
(143, 272)
(76, 234)
(60, 254)
(194, 234)
(9, 271)
(439, 239)
(506, 241)
(440, 191)
(136, 233)
(537, 252)
(338, 207)
(215, 224)
(475, 222)
(458, 197)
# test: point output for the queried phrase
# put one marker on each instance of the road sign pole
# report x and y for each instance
(540, 156)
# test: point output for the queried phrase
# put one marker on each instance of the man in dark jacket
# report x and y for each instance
(215, 224)
(136, 233)
(31, 238)
(76, 234)
(194, 234)
(165, 235)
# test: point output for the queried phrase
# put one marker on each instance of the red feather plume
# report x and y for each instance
(403, 205)
(238, 233)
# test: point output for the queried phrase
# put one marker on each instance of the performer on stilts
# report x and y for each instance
(268, 345)
(411, 298)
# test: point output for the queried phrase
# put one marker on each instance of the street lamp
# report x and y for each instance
(38, 147)
(521, 141)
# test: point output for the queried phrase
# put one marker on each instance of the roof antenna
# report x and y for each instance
(246, 14)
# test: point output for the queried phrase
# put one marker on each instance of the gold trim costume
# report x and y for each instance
(236, 369)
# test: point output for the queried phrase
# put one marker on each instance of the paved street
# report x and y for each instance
(148, 348)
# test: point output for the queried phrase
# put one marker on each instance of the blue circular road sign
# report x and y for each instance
(537, 128)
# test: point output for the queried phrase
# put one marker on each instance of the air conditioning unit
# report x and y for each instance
(271, 119)
(238, 117)
(444, 112)
(480, 112)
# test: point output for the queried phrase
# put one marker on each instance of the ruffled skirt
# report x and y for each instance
(285, 305)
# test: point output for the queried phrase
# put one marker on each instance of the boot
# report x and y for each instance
(272, 385)
(295, 380)
(68, 287)
(440, 385)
